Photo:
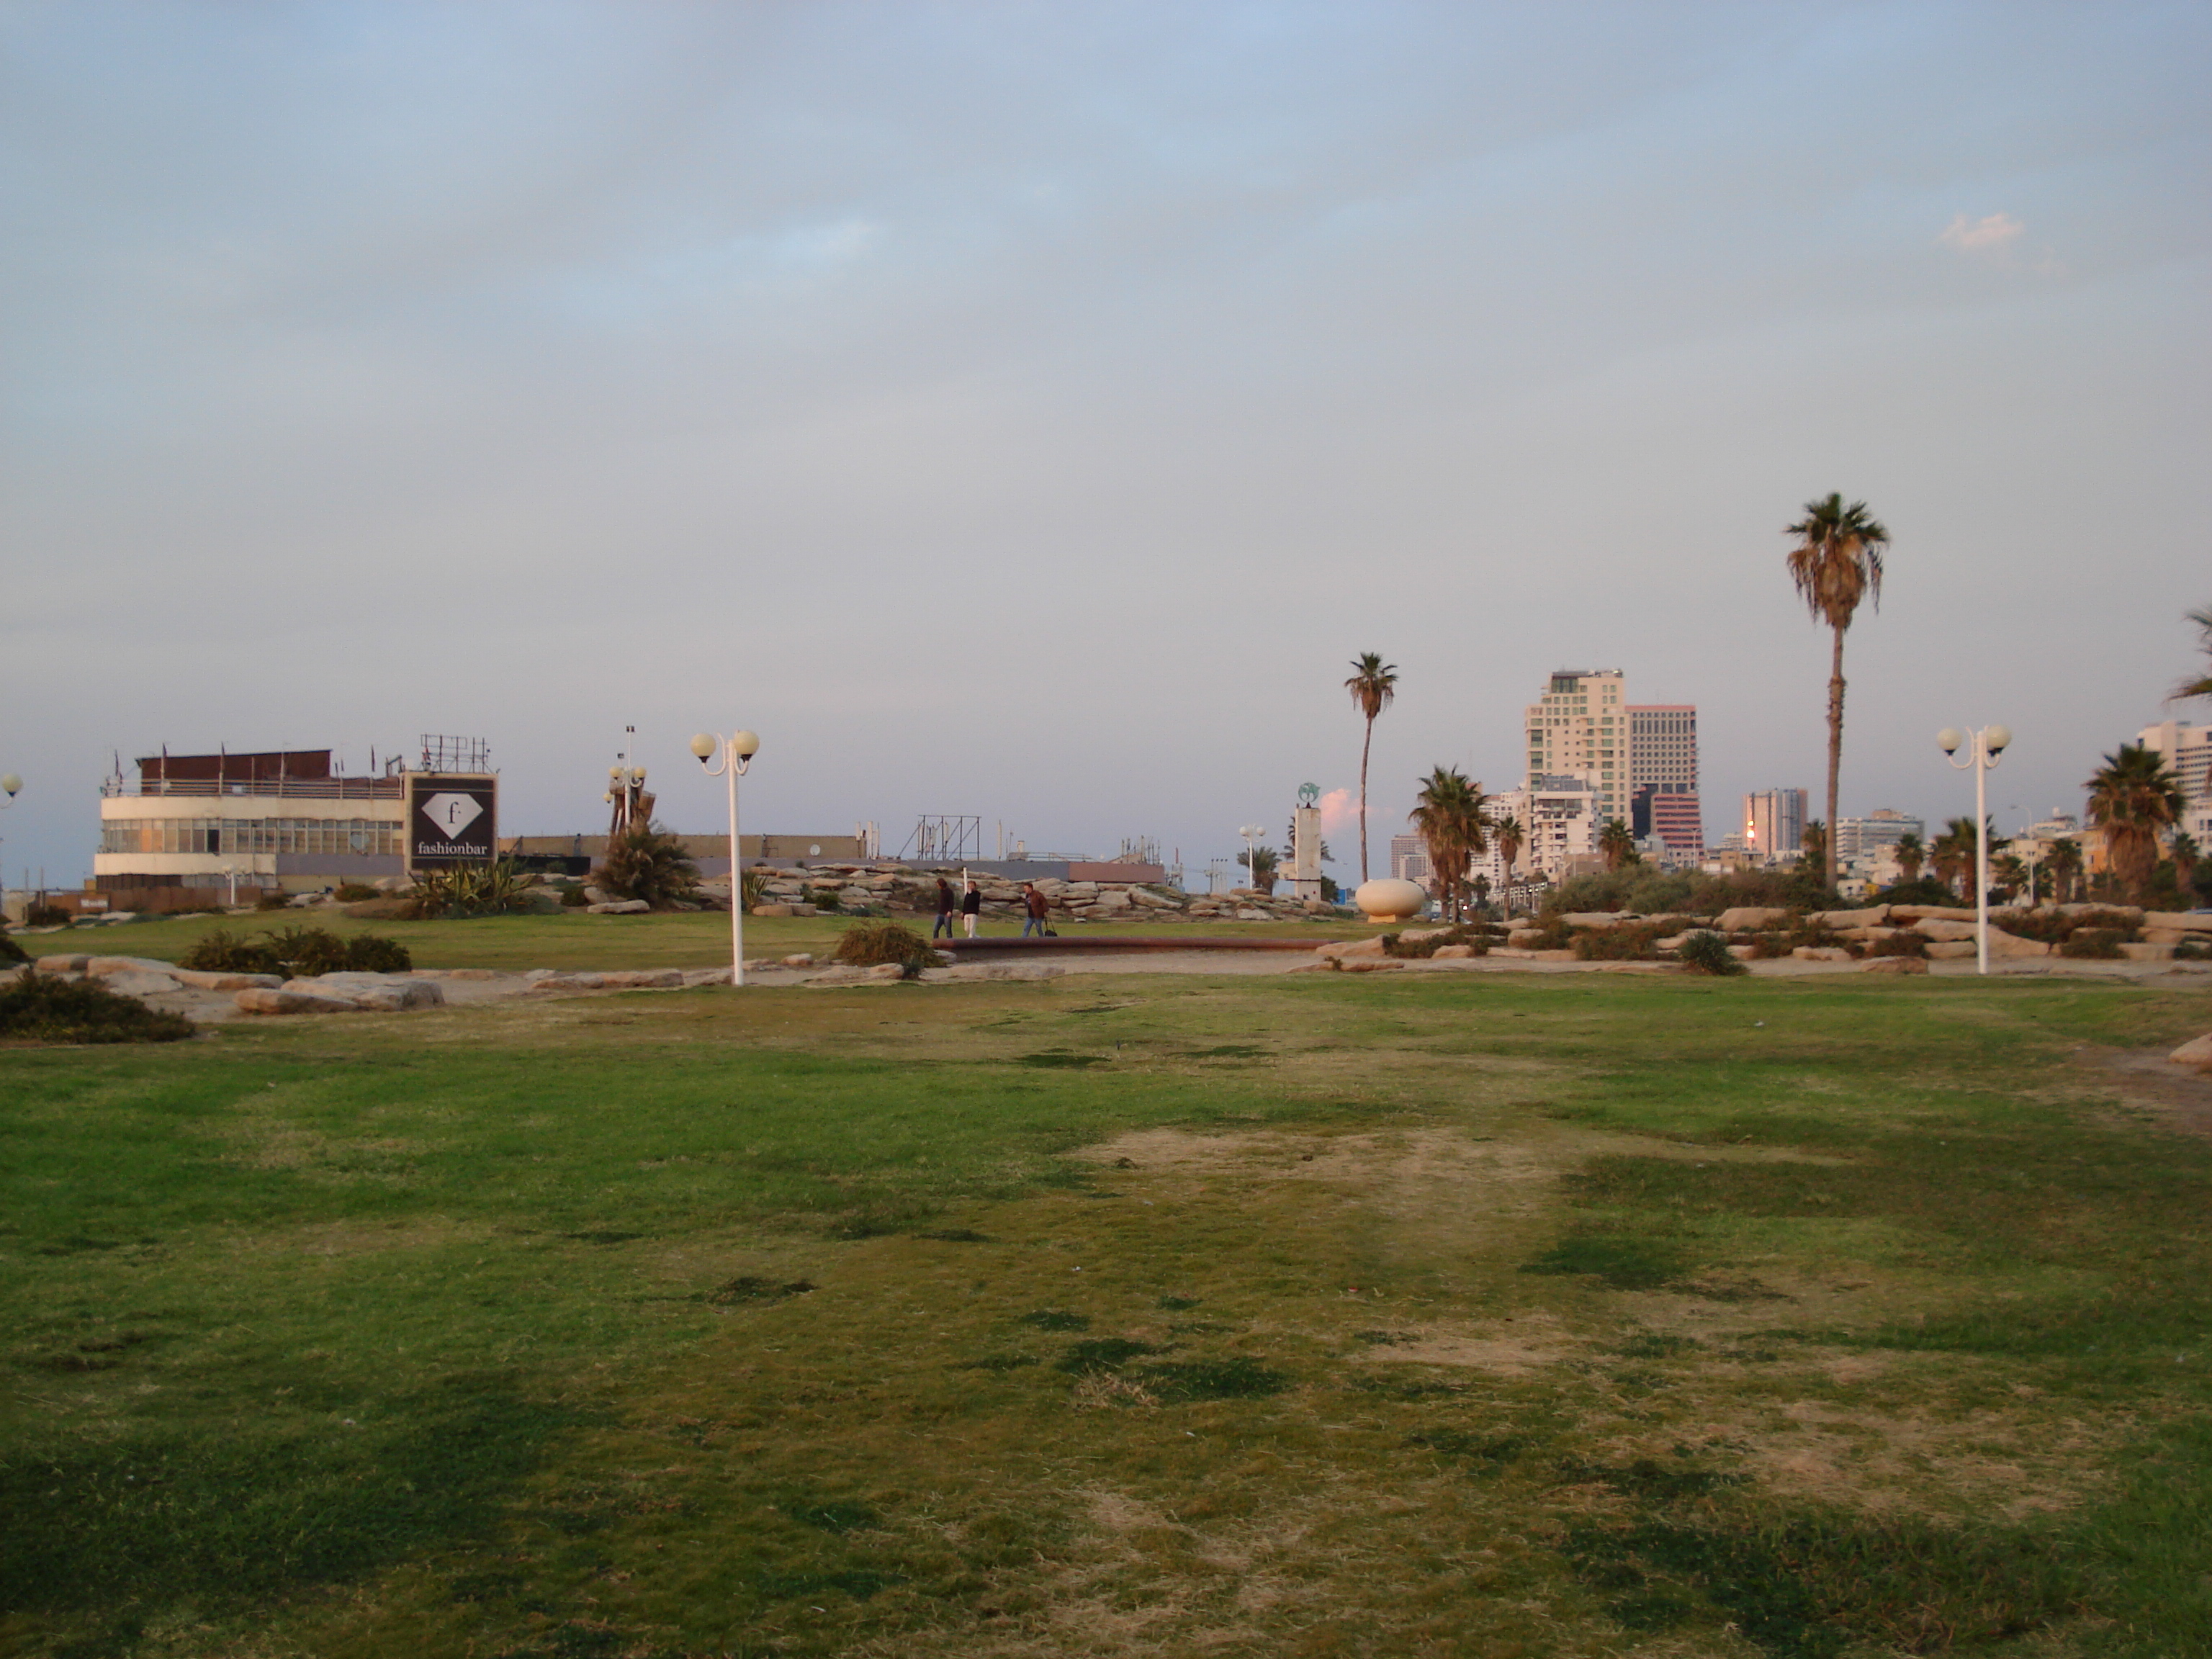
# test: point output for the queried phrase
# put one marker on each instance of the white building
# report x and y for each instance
(1859, 840)
(1409, 859)
(2188, 752)
(1580, 728)
(1559, 822)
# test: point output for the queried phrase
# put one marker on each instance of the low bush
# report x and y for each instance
(41, 1008)
(868, 944)
(646, 862)
(274, 899)
(1705, 951)
(1552, 934)
(1922, 890)
(356, 892)
(1635, 942)
(47, 915)
(2055, 928)
(2094, 943)
(574, 898)
(822, 898)
(1419, 950)
(2189, 950)
(468, 890)
(1899, 945)
(296, 953)
(9, 950)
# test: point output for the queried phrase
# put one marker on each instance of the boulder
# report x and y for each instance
(776, 909)
(642, 979)
(2002, 944)
(802, 959)
(1842, 920)
(201, 979)
(2186, 921)
(1931, 913)
(1893, 965)
(1113, 900)
(1339, 949)
(263, 1001)
(1951, 949)
(1247, 914)
(399, 998)
(1751, 918)
(618, 907)
(140, 985)
(2130, 913)
(545, 979)
(1867, 935)
(1741, 952)
(2197, 1052)
(1370, 964)
(1821, 953)
(1599, 918)
(2148, 952)
(1937, 927)
(103, 967)
(1453, 953)
(61, 965)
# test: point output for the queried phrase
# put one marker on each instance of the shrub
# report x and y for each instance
(468, 889)
(45, 915)
(1552, 934)
(218, 950)
(2189, 950)
(866, 944)
(1924, 890)
(1901, 944)
(822, 898)
(274, 899)
(646, 862)
(41, 1008)
(1419, 950)
(574, 898)
(296, 953)
(2094, 943)
(9, 950)
(1637, 942)
(356, 892)
(1705, 951)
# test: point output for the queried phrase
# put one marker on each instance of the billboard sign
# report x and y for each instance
(451, 820)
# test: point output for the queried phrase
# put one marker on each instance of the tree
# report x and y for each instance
(1813, 842)
(2065, 866)
(2009, 875)
(2202, 685)
(2184, 852)
(1373, 684)
(1836, 563)
(1449, 817)
(1509, 837)
(1616, 843)
(2134, 801)
(646, 862)
(1955, 851)
(1262, 862)
(1912, 853)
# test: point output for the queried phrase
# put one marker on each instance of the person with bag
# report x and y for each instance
(1038, 907)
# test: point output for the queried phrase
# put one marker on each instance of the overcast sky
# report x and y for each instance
(1030, 409)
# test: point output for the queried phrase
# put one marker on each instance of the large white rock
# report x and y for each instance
(259, 1001)
(1751, 918)
(2193, 922)
(1388, 898)
(103, 967)
(140, 985)
(2197, 1052)
(201, 979)
(618, 907)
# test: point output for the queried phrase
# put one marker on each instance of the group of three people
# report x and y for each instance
(968, 903)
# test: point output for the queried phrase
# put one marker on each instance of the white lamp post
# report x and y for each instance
(1252, 832)
(1989, 743)
(736, 752)
(11, 786)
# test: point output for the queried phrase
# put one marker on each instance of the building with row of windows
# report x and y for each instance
(1639, 761)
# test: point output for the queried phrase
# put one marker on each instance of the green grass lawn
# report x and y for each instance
(1497, 1314)
(573, 940)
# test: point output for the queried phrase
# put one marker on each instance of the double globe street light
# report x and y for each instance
(1989, 743)
(735, 753)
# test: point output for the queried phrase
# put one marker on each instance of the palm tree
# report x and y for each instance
(2202, 685)
(1373, 684)
(2133, 802)
(1953, 852)
(1616, 844)
(1813, 842)
(2184, 852)
(1508, 835)
(1448, 816)
(1263, 862)
(1836, 563)
(1912, 853)
(2009, 875)
(2065, 865)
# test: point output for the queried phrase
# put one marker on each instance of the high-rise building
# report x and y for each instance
(1774, 824)
(2188, 752)
(1559, 820)
(1867, 837)
(1409, 859)
(1579, 728)
(1663, 747)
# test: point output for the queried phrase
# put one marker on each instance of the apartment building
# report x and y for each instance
(2188, 752)
(1579, 729)
(1409, 859)
(1867, 838)
(1774, 824)
(1559, 822)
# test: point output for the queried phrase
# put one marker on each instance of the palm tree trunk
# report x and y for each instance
(1835, 757)
(1366, 743)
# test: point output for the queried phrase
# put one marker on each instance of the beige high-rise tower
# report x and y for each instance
(1579, 728)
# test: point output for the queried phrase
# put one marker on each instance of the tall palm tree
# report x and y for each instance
(1836, 563)
(2134, 801)
(1953, 852)
(2202, 685)
(1509, 837)
(2065, 866)
(2184, 852)
(1448, 816)
(1616, 843)
(1912, 853)
(1813, 843)
(1373, 684)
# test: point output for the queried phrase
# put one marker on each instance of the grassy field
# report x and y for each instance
(1497, 1314)
(573, 940)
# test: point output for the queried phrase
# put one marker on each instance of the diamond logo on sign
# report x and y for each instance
(453, 813)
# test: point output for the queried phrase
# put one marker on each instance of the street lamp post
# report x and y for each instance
(1252, 832)
(736, 752)
(1989, 743)
(11, 786)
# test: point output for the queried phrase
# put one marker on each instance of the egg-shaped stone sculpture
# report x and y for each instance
(1389, 899)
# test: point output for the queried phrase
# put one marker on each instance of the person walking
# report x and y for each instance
(971, 907)
(1038, 907)
(947, 903)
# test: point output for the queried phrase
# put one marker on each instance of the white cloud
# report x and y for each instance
(1999, 230)
(1340, 811)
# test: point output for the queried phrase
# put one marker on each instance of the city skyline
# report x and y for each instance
(1029, 412)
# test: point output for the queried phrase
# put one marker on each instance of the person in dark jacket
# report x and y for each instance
(1037, 908)
(947, 903)
(971, 907)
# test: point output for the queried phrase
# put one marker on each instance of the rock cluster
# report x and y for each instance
(897, 888)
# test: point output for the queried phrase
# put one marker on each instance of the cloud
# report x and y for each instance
(1999, 231)
(1339, 811)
